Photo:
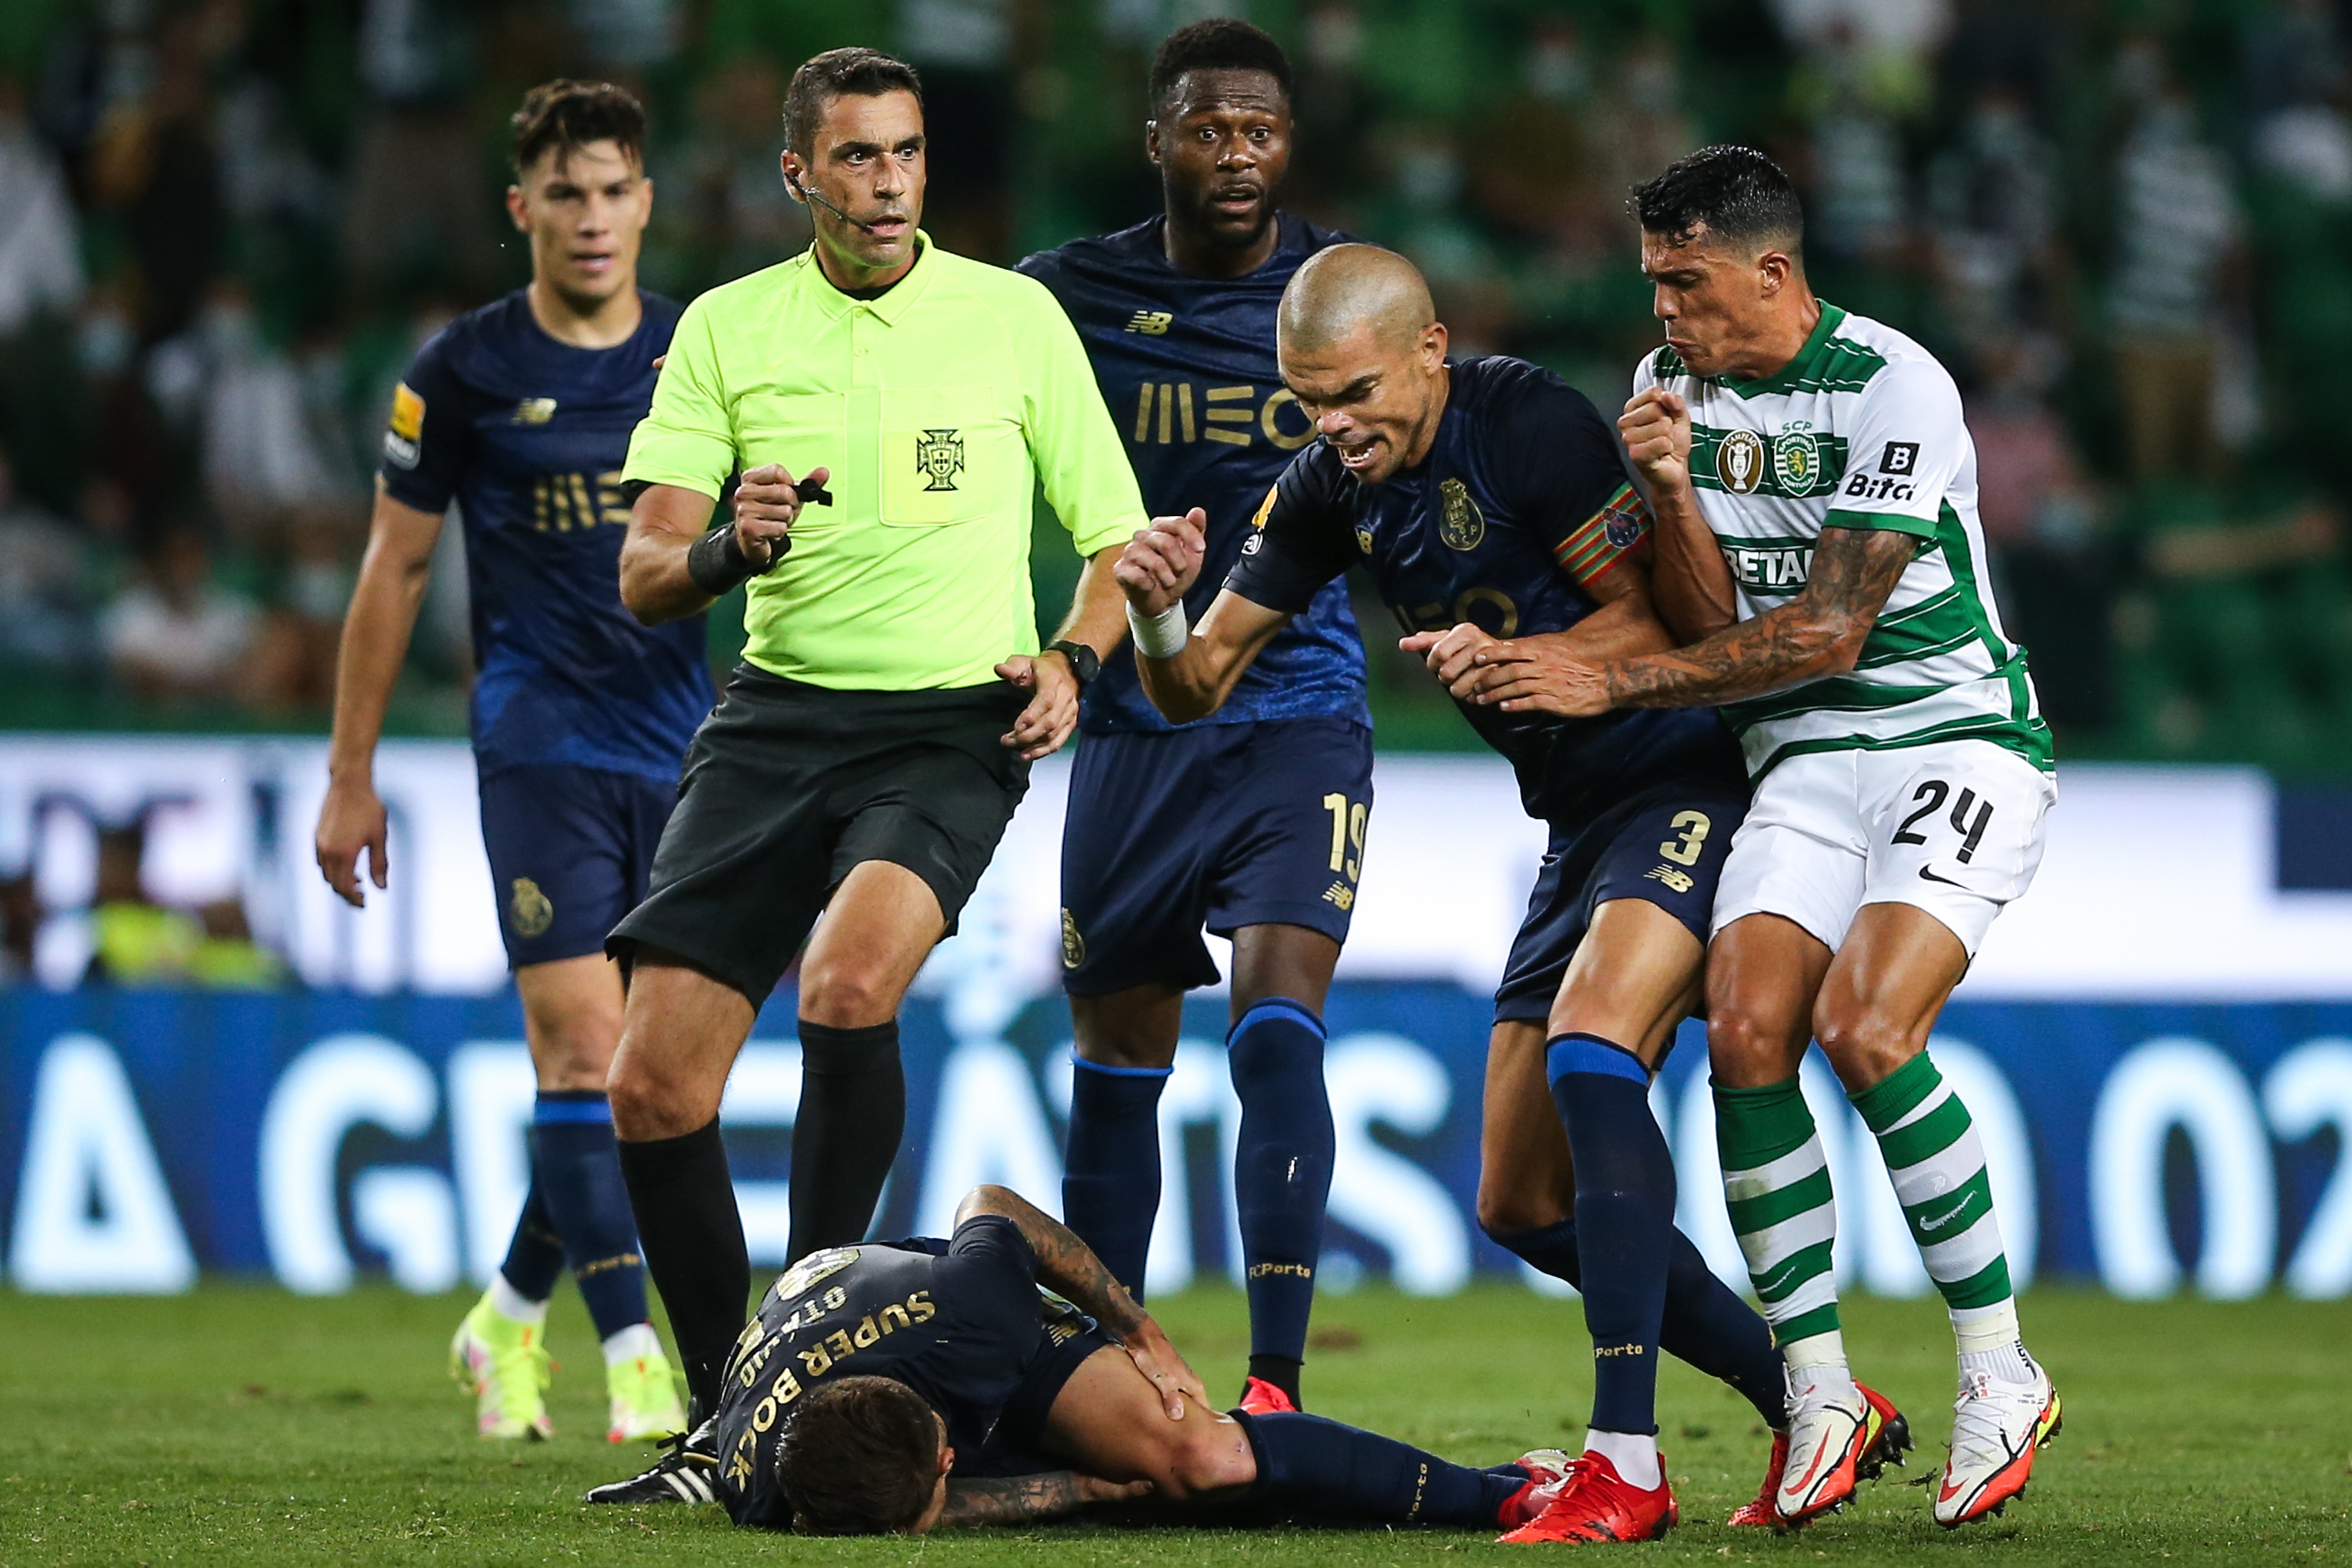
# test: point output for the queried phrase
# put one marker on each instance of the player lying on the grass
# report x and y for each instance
(899, 1387)
(1489, 501)
(1818, 492)
(1241, 823)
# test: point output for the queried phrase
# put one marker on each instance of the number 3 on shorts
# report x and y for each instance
(1693, 827)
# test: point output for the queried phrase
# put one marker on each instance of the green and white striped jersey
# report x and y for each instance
(1862, 429)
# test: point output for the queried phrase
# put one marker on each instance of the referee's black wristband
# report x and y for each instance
(717, 561)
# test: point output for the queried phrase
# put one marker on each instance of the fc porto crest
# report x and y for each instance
(1796, 459)
(938, 458)
(1739, 461)
(533, 911)
(1459, 521)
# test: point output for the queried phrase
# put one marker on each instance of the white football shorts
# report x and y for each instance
(1954, 828)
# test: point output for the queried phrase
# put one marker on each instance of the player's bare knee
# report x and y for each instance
(1863, 1045)
(848, 995)
(1209, 1455)
(651, 1101)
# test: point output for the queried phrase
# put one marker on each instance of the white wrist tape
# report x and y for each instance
(1163, 636)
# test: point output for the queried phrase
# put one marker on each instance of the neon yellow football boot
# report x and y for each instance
(643, 1390)
(503, 1363)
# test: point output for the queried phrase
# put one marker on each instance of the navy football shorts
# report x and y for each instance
(1218, 827)
(570, 848)
(1666, 844)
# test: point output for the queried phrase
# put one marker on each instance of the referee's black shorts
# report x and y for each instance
(787, 787)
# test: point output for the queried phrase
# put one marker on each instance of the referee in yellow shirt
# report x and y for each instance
(860, 768)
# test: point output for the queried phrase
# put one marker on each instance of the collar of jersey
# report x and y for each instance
(891, 307)
(1789, 375)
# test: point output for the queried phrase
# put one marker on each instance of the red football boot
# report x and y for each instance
(1761, 1510)
(1595, 1504)
(1260, 1397)
(1548, 1470)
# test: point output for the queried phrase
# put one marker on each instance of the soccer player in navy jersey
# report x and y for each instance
(520, 415)
(1251, 821)
(1492, 507)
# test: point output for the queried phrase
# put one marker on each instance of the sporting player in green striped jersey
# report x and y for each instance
(1815, 490)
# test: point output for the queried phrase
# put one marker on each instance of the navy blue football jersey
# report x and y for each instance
(1187, 368)
(1522, 505)
(527, 436)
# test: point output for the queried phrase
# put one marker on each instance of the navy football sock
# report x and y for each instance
(1624, 1216)
(1320, 1469)
(1709, 1327)
(534, 1259)
(846, 1134)
(1282, 1177)
(1110, 1184)
(579, 1171)
(692, 1234)
(1706, 1325)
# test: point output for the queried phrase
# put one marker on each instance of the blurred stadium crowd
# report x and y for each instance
(226, 223)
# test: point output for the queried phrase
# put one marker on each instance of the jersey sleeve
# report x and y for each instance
(428, 435)
(1301, 538)
(991, 1244)
(1571, 480)
(1081, 464)
(686, 440)
(1902, 452)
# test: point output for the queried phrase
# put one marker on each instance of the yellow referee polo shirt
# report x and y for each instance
(937, 408)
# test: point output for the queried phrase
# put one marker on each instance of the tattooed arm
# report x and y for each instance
(1021, 1499)
(1821, 632)
(1069, 1269)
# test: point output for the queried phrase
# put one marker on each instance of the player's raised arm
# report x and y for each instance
(1187, 671)
(376, 629)
(1069, 1267)
(1690, 583)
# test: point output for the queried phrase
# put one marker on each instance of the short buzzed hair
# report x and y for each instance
(1740, 197)
(853, 72)
(1217, 43)
(861, 1458)
(568, 115)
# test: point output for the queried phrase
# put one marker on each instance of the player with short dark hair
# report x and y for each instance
(1251, 823)
(892, 410)
(520, 415)
(1817, 489)
(1492, 508)
(894, 1387)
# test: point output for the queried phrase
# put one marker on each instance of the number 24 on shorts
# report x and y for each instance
(1972, 829)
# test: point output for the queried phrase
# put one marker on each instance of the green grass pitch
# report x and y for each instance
(242, 1425)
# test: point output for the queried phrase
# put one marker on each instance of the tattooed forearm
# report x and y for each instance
(1065, 1264)
(1819, 633)
(1013, 1499)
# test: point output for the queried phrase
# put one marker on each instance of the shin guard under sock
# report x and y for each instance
(1282, 1177)
(1313, 1469)
(692, 1235)
(572, 1149)
(1624, 1216)
(852, 1112)
(1111, 1182)
(534, 1258)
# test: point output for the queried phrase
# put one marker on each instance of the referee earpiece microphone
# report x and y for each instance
(809, 196)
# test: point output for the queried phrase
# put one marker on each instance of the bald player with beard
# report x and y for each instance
(1491, 505)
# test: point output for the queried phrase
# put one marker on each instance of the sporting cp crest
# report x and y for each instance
(1739, 461)
(938, 458)
(1796, 459)
(1459, 523)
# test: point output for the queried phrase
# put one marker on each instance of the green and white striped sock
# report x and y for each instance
(1937, 1164)
(1776, 1181)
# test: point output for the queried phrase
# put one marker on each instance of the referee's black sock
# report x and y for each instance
(852, 1112)
(692, 1235)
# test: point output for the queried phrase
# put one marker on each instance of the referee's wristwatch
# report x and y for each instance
(1085, 663)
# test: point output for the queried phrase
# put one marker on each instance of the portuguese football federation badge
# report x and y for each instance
(1739, 461)
(1796, 459)
(938, 458)
(1460, 523)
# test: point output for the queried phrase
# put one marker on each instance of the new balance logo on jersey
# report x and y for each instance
(1151, 324)
(1778, 569)
(1861, 487)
